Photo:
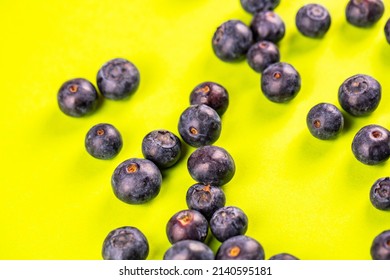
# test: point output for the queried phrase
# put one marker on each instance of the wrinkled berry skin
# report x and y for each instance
(371, 144)
(360, 95)
(205, 198)
(325, 121)
(211, 165)
(187, 224)
(380, 194)
(283, 257)
(255, 6)
(162, 147)
(211, 94)
(387, 31)
(364, 13)
(380, 248)
(262, 54)
(125, 243)
(199, 125)
(103, 141)
(313, 20)
(118, 79)
(267, 26)
(227, 222)
(77, 97)
(280, 82)
(136, 181)
(232, 40)
(240, 247)
(189, 250)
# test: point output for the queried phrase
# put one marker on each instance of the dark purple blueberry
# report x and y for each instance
(359, 95)
(380, 248)
(280, 82)
(189, 250)
(232, 40)
(125, 243)
(118, 78)
(283, 257)
(364, 13)
(371, 144)
(77, 97)
(103, 141)
(380, 194)
(162, 147)
(205, 198)
(136, 181)
(387, 31)
(210, 94)
(199, 125)
(255, 6)
(313, 20)
(227, 222)
(267, 26)
(262, 54)
(325, 121)
(240, 247)
(211, 165)
(187, 224)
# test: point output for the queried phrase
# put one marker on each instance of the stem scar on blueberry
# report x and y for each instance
(234, 251)
(185, 219)
(387, 242)
(206, 188)
(100, 132)
(317, 123)
(204, 89)
(193, 130)
(73, 88)
(277, 75)
(376, 134)
(263, 45)
(132, 168)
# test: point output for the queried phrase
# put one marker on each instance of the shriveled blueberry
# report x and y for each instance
(371, 144)
(189, 250)
(125, 243)
(267, 26)
(211, 165)
(313, 20)
(205, 198)
(232, 40)
(118, 79)
(240, 247)
(360, 95)
(187, 224)
(254, 6)
(210, 94)
(103, 141)
(325, 121)
(136, 181)
(262, 54)
(280, 82)
(364, 13)
(283, 257)
(380, 194)
(162, 147)
(77, 97)
(380, 248)
(387, 31)
(227, 222)
(199, 125)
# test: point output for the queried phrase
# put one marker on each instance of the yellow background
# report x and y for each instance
(302, 195)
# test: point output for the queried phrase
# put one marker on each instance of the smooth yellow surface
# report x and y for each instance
(302, 195)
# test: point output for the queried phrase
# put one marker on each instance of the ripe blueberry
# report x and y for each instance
(189, 250)
(387, 31)
(103, 141)
(254, 6)
(227, 222)
(313, 20)
(364, 13)
(261, 55)
(240, 247)
(380, 247)
(211, 94)
(380, 194)
(283, 257)
(267, 26)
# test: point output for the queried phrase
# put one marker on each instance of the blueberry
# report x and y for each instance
(359, 95)
(387, 31)
(254, 6)
(211, 94)
(380, 194)
(380, 248)
(199, 125)
(283, 257)
(189, 250)
(325, 121)
(162, 147)
(364, 13)
(211, 165)
(232, 40)
(103, 141)
(136, 181)
(77, 97)
(261, 55)
(280, 82)
(187, 224)
(125, 243)
(313, 20)
(227, 222)
(118, 78)
(371, 144)
(240, 247)
(267, 26)
(205, 198)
